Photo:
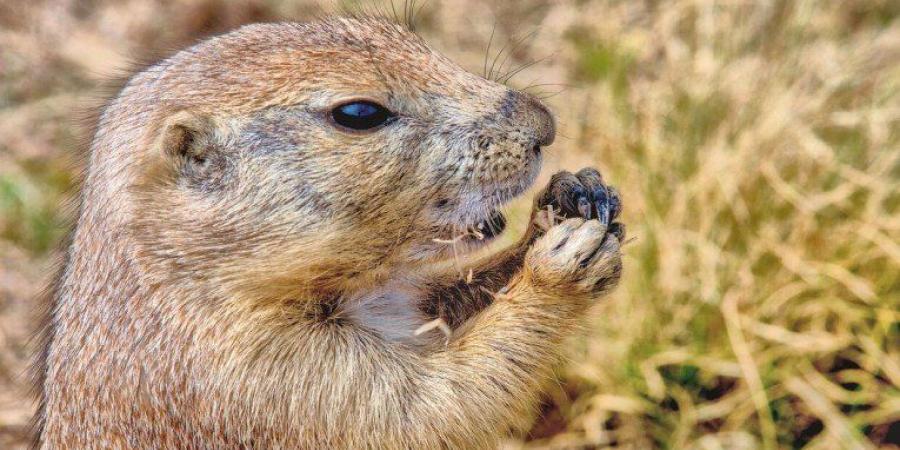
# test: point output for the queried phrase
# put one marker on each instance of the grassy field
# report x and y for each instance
(756, 145)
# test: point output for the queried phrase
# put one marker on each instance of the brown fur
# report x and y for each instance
(244, 275)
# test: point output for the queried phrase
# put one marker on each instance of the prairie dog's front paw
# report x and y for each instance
(583, 194)
(576, 256)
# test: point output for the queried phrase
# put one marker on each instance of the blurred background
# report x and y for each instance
(756, 145)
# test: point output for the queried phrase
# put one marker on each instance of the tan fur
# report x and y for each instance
(245, 275)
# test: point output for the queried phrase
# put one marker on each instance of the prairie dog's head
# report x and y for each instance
(317, 153)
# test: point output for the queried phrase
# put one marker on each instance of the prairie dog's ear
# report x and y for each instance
(184, 136)
(188, 144)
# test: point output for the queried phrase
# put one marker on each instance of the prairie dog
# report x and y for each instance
(264, 227)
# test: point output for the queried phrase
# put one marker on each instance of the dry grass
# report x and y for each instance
(757, 147)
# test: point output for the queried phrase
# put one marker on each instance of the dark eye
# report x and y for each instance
(361, 115)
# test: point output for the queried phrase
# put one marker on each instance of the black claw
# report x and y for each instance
(584, 207)
(602, 203)
(615, 203)
(590, 177)
(617, 230)
(573, 203)
(582, 195)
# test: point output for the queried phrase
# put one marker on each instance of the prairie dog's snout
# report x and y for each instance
(497, 156)
(532, 112)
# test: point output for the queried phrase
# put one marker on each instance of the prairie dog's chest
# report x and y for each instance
(392, 311)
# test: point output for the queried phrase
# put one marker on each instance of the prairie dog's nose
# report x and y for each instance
(544, 121)
(530, 112)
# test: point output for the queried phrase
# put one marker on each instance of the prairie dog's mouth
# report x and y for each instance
(470, 220)
(488, 228)
(482, 223)
(473, 233)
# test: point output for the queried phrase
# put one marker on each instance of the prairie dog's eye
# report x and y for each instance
(361, 115)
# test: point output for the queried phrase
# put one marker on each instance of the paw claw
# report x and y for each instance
(584, 207)
(618, 230)
(581, 195)
(615, 203)
(601, 202)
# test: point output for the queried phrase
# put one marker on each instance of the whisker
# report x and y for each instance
(550, 95)
(418, 11)
(508, 76)
(490, 75)
(516, 45)
(488, 51)
(408, 6)
(394, 11)
(531, 86)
